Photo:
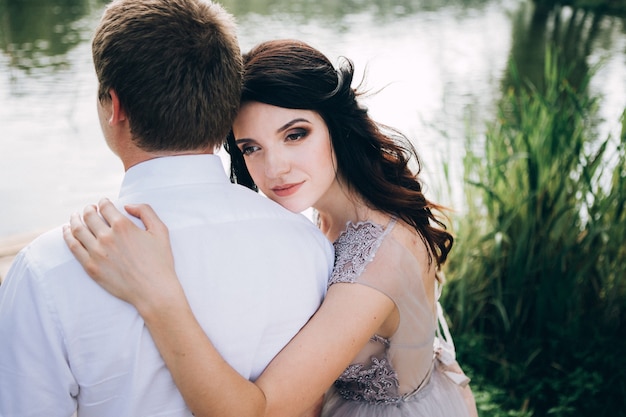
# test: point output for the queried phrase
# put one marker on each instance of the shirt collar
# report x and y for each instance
(172, 171)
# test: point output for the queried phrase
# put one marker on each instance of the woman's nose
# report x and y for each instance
(277, 163)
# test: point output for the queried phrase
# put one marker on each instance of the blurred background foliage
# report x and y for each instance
(537, 290)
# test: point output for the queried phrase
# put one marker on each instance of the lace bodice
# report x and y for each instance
(376, 382)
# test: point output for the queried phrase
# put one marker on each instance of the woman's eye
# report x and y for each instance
(247, 150)
(297, 134)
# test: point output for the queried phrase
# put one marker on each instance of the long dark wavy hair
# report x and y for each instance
(373, 160)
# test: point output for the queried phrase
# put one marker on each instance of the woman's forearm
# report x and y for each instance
(296, 378)
(196, 366)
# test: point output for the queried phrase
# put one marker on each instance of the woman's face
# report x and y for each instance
(288, 153)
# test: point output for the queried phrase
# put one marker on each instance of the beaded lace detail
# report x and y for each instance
(354, 249)
(376, 382)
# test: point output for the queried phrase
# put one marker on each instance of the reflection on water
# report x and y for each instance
(38, 34)
(442, 64)
(332, 11)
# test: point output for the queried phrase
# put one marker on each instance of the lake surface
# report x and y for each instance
(438, 64)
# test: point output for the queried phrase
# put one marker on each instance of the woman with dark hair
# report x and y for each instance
(302, 138)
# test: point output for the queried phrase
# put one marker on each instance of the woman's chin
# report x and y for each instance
(293, 206)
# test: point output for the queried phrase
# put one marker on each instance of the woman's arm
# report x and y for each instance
(111, 251)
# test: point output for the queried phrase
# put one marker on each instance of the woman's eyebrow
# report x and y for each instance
(291, 123)
(279, 130)
(243, 140)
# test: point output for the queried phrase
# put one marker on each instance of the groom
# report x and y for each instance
(169, 74)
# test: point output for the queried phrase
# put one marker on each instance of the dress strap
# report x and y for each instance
(442, 326)
(390, 224)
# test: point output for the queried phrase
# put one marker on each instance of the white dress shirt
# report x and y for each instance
(253, 272)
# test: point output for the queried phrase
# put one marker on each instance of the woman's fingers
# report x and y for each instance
(102, 218)
(82, 243)
(77, 248)
(110, 213)
(113, 250)
(81, 232)
(92, 220)
(149, 218)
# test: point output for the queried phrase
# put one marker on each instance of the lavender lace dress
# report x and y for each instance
(414, 372)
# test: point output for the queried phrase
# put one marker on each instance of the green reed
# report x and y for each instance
(537, 291)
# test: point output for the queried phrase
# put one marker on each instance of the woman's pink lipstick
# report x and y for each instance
(287, 189)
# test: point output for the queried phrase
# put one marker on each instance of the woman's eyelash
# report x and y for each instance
(300, 133)
(247, 150)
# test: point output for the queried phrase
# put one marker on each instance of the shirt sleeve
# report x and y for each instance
(35, 376)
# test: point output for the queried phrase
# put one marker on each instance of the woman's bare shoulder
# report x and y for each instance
(407, 237)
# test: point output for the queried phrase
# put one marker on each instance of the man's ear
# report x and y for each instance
(118, 114)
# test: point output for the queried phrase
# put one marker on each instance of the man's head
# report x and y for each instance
(175, 66)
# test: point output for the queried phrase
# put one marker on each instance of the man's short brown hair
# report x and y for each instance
(176, 68)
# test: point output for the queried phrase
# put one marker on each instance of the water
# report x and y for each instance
(441, 64)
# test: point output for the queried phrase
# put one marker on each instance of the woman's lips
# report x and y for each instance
(286, 189)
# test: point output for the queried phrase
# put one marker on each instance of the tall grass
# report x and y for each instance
(538, 275)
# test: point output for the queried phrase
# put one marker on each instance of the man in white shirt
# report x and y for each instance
(169, 75)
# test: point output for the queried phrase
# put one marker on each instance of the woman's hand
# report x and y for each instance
(132, 264)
